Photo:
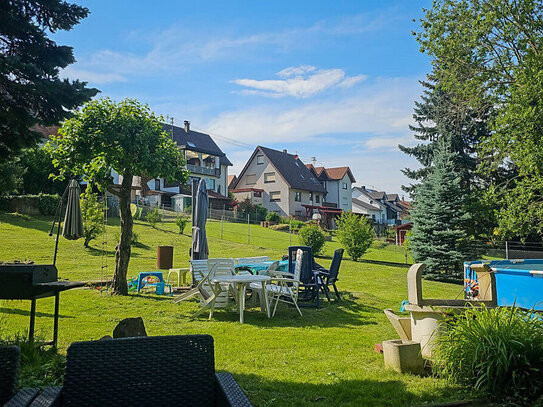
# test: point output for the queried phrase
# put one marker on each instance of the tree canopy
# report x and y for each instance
(31, 91)
(488, 54)
(125, 137)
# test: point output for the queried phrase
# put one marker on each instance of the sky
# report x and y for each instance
(333, 81)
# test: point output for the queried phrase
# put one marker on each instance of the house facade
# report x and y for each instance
(378, 205)
(338, 184)
(205, 160)
(280, 182)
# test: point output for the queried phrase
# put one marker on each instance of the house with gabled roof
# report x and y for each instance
(280, 182)
(205, 160)
(338, 182)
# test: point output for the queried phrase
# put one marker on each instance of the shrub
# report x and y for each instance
(181, 222)
(40, 367)
(296, 224)
(355, 233)
(497, 351)
(47, 204)
(281, 226)
(273, 217)
(93, 216)
(312, 235)
(153, 217)
(378, 244)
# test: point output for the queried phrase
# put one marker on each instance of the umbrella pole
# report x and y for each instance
(57, 219)
(193, 192)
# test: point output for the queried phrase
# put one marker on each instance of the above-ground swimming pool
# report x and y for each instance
(518, 282)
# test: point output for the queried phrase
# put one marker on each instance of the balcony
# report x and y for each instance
(197, 169)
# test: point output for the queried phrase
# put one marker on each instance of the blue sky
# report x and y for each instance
(334, 80)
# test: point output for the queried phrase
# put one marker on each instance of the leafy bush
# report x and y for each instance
(47, 204)
(378, 244)
(496, 351)
(181, 222)
(255, 211)
(355, 233)
(93, 216)
(153, 217)
(40, 367)
(273, 217)
(296, 224)
(281, 226)
(312, 235)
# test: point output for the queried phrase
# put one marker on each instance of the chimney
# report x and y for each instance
(285, 150)
(295, 156)
(187, 126)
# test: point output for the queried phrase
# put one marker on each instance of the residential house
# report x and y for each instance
(338, 182)
(380, 206)
(231, 181)
(280, 182)
(205, 160)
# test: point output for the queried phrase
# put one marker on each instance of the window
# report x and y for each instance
(275, 196)
(170, 184)
(302, 176)
(190, 144)
(250, 179)
(269, 177)
(297, 213)
(344, 185)
(317, 198)
(157, 184)
(257, 194)
(219, 189)
(311, 196)
(260, 159)
(298, 196)
(210, 183)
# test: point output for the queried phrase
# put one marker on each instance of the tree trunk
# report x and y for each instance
(122, 255)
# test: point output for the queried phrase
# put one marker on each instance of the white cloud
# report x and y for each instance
(299, 82)
(383, 108)
(178, 49)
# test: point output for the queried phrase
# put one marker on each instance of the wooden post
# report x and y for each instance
(248, 228)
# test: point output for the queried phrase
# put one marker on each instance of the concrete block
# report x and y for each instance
(403, 356)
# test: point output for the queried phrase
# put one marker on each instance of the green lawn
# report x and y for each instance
(324, 358)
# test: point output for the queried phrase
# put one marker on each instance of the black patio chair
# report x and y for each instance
(309, 287)
(329, 277)
(144, 371)
(9, 365)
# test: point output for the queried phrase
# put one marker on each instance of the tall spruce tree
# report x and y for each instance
(437, 115)
(31, 91)
(439, 236)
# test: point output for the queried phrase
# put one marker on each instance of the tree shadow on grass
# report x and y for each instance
(344, 313)
(40, 223)
(93, 251)
(268, 392)
(17, 311)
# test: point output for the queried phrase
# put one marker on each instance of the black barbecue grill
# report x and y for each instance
(31, 282)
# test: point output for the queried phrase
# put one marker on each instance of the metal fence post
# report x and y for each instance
(248, 228)
(507, 249)
(222, 220)
(289, 234)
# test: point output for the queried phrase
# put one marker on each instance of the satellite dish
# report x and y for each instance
(317, 216)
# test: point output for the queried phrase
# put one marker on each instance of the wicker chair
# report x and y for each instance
(144, 371)
(9, 363)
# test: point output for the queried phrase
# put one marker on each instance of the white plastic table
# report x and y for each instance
(240, 282)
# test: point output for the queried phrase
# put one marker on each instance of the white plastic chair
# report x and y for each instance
(283, 288)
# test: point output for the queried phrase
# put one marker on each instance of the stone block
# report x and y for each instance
(403, 356)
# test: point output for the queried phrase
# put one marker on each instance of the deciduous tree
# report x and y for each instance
(125, 137)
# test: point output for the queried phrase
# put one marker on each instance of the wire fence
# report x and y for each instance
(246, 228)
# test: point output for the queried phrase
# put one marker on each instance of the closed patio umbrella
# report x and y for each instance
(199, 238)
(73, 220)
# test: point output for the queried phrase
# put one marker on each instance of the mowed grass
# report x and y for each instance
(325, 358)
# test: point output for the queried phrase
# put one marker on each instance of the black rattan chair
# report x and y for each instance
(9, 364)
(144, 371)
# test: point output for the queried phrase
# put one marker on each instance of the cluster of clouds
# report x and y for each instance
(300, 82)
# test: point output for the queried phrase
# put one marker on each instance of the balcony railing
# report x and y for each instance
(196, 169)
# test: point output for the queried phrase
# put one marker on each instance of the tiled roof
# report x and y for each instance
(365, 205)
(231, 180)
(377, 194)
(291, 168)
(339, 172)
(196, 141)
(392, 197)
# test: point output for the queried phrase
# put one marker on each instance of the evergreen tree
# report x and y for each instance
(437, 115)
(439, 237)
(31, 91)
